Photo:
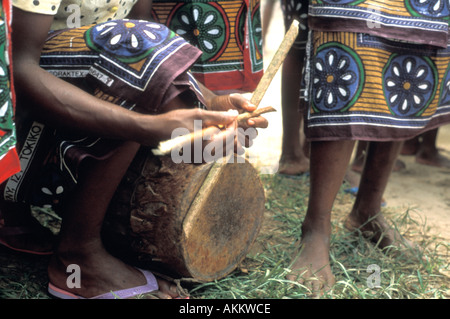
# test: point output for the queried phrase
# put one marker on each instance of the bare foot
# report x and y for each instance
(378, 230)
(102, 273)
(432, 159)
(398, 166)
(293, 166)
(311, 266)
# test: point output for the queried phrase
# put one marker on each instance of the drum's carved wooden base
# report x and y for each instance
(198, 220)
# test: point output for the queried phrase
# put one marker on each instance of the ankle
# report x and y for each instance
(316, 229)
(79, 249)
(357, 218)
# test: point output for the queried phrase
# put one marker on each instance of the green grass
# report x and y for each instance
(262, 274)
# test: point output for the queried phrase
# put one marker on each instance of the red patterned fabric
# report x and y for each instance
(9, 160)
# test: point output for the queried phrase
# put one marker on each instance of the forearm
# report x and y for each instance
(63, 105)
(57, 103)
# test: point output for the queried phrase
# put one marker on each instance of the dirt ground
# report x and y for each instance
(421, 188)
(425, 189)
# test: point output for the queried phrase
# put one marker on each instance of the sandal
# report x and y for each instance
(149, 290)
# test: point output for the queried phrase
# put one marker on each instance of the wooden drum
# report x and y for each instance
(198, 220)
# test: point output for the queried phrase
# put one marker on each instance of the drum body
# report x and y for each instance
(197, 220)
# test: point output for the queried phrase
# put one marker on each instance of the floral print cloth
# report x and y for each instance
(139, 65)
(375, 85)
(229, 34)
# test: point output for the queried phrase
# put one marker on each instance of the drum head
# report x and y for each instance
(223, 220)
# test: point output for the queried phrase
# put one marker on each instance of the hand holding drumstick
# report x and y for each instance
(166, 147)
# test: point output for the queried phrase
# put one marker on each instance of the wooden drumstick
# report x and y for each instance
(276, 62)
(166, 147)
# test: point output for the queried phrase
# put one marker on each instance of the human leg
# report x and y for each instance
(294, 150)
(353, 176)
(366, 215)
(428, 153)
(411, 146)
(360, 152)
(80, 241)
(329, 161)
(293, 160)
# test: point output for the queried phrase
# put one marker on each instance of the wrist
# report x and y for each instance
(208, 95)
(149, 129)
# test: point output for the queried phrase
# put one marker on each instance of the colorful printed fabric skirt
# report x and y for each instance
(420, 21)
(136, 64)
(364, 87)
(229, 34)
